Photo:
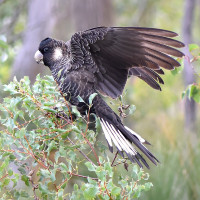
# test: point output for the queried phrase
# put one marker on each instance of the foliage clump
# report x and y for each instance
(193, 90)
(49, 147)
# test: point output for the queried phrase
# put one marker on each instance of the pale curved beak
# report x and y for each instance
(38, 57)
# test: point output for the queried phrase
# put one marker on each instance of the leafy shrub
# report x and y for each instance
(53, 150)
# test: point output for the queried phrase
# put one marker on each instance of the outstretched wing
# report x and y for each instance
(113, 53)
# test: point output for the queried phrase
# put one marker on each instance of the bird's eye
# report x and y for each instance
(45, 49)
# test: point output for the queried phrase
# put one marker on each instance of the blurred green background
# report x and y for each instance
(171, 124)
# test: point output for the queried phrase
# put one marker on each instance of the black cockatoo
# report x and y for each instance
(100, 60)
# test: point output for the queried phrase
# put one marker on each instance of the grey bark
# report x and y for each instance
(190, 106)
(91, 13)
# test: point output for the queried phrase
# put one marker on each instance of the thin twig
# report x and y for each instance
(84, 155)
(71, 173)
(119, 163)
(94, 152)
(55, 136)
(27, 122)
(4, 176)
(28, 143)
(114, 159)
(11, 115)
(107, 191)
(13, 151)
(59, 186)
(35, 186)
(32, 154)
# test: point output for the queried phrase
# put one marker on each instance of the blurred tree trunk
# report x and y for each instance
(91, 13)
(190, 106)
(45, 18)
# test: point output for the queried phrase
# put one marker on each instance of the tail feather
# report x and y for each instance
(107, 135)
(123, 138)
(111, 135)
(142, 140)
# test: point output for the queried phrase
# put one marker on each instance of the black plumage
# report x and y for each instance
(100, 60)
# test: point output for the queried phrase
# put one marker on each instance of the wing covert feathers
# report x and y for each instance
(107, 51)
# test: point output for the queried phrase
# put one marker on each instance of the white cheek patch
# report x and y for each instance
(57, 54)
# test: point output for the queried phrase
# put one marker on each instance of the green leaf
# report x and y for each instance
(3, 44)
(80, 99)
(6, 181)
(72, 154)
(193, 47)
(132, 109)
(4, 165)
(123, 183)
(24, 194)
(62, 151)
(140, 174)
(101, 173)
(178, 70)
(91, 181)
(101, 160)
(148, 186)
(115, 191)
(195, 93)
(134, 173)
(51, 146)
(146, 176)
(183, 94)
(11, 88)
(91, 191)
(49, 104)
(20, 133)
(92, 96)
(14, 180)
(53, 175)
(59, 73)
(45, 173)
(43, 188)
(57, 156)
(192, 91)
(60, 194)
(75, 187)
(4, 57)
(137, 193)
(46, 108)
(108, 168)
(10, 172)
(97, 124)
(25, 179)
(64, 185)
(75, 111)
(22, 170)
(63, 166)
(90, 166)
